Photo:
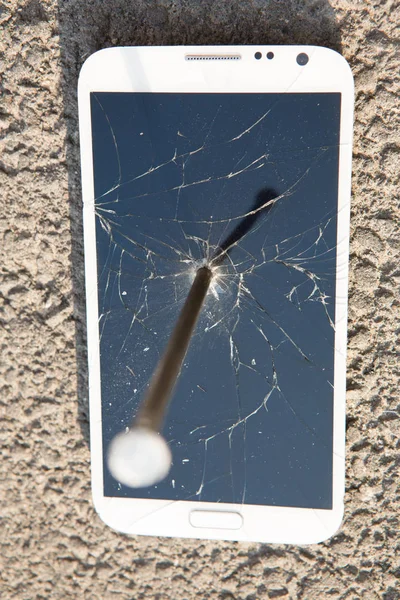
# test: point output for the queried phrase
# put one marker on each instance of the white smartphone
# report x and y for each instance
(187, 150)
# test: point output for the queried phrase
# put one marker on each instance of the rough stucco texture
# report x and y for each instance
(53, 545)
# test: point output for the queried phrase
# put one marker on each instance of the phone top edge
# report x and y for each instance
(166, 68)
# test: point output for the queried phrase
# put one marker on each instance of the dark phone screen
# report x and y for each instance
(177, 179)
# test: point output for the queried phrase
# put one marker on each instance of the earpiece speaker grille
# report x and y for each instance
(213, 57)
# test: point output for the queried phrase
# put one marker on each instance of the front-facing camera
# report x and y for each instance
(257, 55)
(302, 59)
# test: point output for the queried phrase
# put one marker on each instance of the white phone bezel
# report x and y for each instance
(166, 69)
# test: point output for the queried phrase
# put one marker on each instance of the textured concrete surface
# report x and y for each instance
(53, 545)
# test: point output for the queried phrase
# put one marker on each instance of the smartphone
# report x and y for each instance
(185, 150)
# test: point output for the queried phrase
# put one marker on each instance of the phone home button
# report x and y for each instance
(215, 519)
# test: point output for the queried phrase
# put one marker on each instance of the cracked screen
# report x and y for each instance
(251, 179)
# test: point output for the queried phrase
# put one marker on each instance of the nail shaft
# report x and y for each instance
(152, 411)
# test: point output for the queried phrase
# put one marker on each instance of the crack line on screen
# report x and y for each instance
(145, 279)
